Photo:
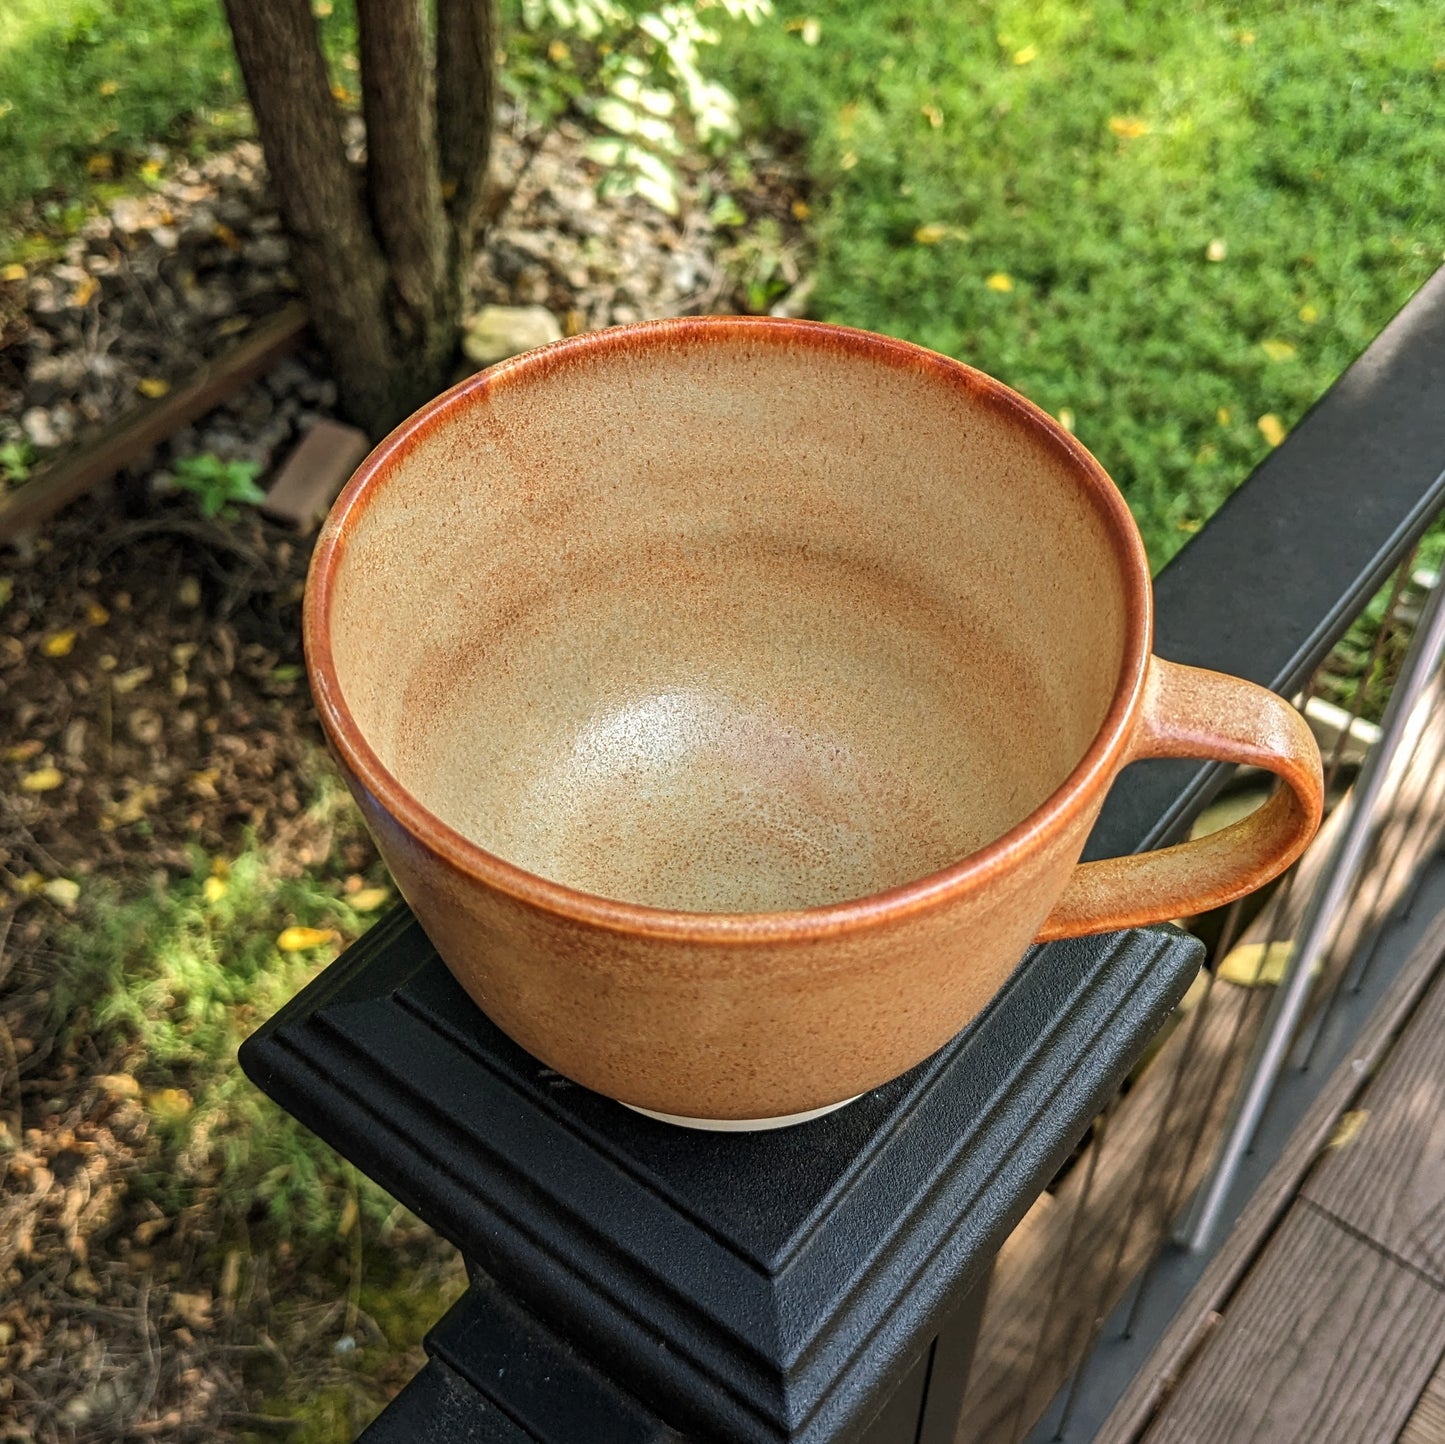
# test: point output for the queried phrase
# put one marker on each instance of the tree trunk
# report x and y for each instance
(384, 272)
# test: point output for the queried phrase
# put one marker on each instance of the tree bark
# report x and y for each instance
(403, 185)
(466, 106)
(336, 257)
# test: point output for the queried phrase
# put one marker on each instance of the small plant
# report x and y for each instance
(218, 484)
(16, 459)
(634, 75)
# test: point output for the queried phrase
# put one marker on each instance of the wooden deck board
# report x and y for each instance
(1388, 1184)
(1426, 1424)
(1330, 1341)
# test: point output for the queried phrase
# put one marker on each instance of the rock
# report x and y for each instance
(199, 226)
(128, 215)
(267, 251)
(496, 332)
(52, 377)
(39, 429)
(166, 237)
(533, 285)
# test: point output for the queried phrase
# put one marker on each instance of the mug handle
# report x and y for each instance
(1188, 712)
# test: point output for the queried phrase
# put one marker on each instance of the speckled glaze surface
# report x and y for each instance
(731, 700)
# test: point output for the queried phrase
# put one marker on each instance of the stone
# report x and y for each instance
(39, 429)
(166, 237)
(314, 474)
(496, 332)
(267, 251)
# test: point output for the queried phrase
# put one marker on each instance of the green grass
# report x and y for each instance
(1305, 137)
(171, 981)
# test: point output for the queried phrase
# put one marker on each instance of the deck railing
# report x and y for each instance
(1313, 579)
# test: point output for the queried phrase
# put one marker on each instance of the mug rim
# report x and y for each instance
(1089, 777)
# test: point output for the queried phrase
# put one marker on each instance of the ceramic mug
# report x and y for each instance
(731, 700)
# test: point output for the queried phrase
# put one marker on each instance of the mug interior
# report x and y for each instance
(729, 618)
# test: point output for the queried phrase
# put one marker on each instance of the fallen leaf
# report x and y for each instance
(1245, 37)
(931, 234)
(1027, 55)
(812, 31)
(1271, 428)
(933, 115)
(214, 889)
(145, 1233)
(299, 940)
(848, 160)
(999, 281)
(188, 592)
(153, 387)
(30, 884)
(1216, 250)
(132, 808)
(226, 236)
(62, 892)
(203, 784)
(1277, 350)
(559, 51)
(58, 644)
(321, 9)
(193, 1310)
(108, 87)
(99, 165)
(1128, 127)
(1309, 314)
(96, 615)
(124, 682)
(84, 292)
(1222, 415)
(24, 751)
(118, 1085)
(801, 210)
(349, 1213)
(369, 899)
(43, 779)
(1348, 1128)
(1256, 965)
(1066, 419)
(13, 272)
(170, 1105)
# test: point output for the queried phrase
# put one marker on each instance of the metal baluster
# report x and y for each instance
(1400, 726)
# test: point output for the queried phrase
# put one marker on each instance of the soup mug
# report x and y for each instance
(731, 700)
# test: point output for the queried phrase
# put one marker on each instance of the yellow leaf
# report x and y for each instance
(151, 169)
(849, 160)
(13, 272)
(132, 809)
(1000, 282)
(1277, 350)
(24, 751)
(58, 644)
(84, 292)
(153, 387)
(108, 87)
(1066, 419)
(1245, 37)
(99, 165)
(62, 891)
(340, 93)
(1271, 428)
(368, 899)
(118, 1085)
(1309, 314)
(1026, 55)
(931, 234)
(1256, 965)
(558, 51)
(169, 1104)
(30, 884)
(299, 940)
(43, 779)
(812, 32)
(933, 115)
(1348, 1128)
(214, 889)
(1128, 127)
(226, 236)
(321, 9)
(801, 210)
(96, 614)
(347, 1221)
(1216, 250)
(1222, 415)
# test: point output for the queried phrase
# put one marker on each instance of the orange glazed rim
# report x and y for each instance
(1089, 777)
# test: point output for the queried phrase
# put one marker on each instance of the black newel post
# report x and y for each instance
(632, 1281)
